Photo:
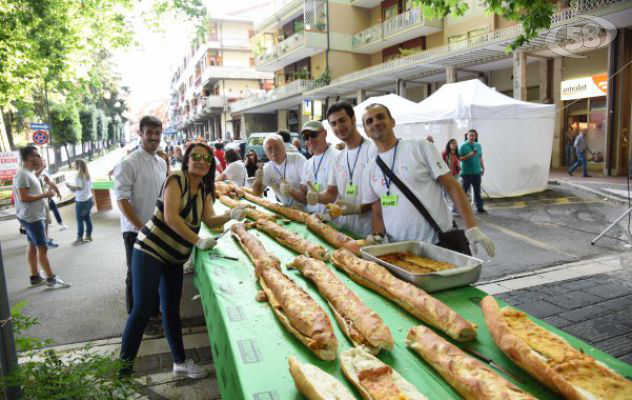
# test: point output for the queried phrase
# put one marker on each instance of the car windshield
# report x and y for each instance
(256, 141)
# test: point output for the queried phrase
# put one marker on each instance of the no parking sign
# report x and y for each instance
(40, 133)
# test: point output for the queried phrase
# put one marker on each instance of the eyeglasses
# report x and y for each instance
(199, 157)
(310, 134)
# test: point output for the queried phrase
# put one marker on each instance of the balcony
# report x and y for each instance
(229, 43)
(405, 26)
(281, 96)
(213, 74)
(214, 102)
(284, 11)
(296, 47)
(365, 3)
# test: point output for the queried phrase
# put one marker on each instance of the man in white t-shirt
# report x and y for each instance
(282, 173)
(344, 185)
(235, 170)
(418, 164)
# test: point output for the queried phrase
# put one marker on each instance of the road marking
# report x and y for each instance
(541, 202)
(529, 240)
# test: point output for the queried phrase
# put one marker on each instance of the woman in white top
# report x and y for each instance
(83, 201)
(236, 169)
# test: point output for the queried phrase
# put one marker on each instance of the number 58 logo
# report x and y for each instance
(593, 34)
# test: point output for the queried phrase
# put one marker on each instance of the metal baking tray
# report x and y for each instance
(467, 270)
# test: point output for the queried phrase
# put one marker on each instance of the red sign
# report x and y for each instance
(40, 137)
(9, 164)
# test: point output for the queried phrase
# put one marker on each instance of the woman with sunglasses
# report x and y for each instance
(164, 245)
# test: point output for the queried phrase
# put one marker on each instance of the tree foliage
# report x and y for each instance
(88, 118)
(65, 124)
(102, 125)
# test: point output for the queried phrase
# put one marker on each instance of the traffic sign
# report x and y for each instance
(40, 126)
(40, 137)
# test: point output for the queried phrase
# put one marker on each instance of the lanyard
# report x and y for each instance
(319, 163)
(354, 163)
(386, 179)
(284, 168)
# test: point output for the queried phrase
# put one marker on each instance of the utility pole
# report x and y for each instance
(8, 355)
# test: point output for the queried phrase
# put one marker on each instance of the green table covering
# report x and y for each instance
(102, 185)
(250, 347)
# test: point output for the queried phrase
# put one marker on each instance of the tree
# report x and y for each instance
(102, 126)
(65, 126)
(88, 118)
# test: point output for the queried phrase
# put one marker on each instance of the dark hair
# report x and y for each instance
(248, 158)
(372, 105)
(341, 106)
(474, 132)
(150, 121)
(447, 146)
(231, 156)
(285, 134)
(208, 180)
(26, 151)
(219, 146)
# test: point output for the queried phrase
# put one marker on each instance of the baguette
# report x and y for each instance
(468, 376)
(316, 384)
(254, 249)
(229, 188)
(550, 359)
(362, 325)
(291, 240)
(299, 313)
(288, 212)
(251, 212)
(332, 236)
(408, 296)
(374, 379)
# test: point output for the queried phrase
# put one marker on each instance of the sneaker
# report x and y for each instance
(569, 172)
(153, 330)
(62, 227)
(188, 267)
(37, 280)
(481, 211)
(56, 283)
(189, 369)
(77, 241)
(51, 244)
(88, 238)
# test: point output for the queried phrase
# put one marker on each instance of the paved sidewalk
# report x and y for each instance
(590, 299)
(610, 188)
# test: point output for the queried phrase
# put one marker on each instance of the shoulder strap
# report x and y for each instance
(411, 197)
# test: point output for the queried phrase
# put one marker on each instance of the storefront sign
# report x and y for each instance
(9, 164)
(594, 86)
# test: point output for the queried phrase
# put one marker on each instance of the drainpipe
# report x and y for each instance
(610, 132)
(327, 51)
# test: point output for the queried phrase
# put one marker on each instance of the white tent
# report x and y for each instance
(516, 136)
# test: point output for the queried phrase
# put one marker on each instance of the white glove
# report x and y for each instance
(312, 194)
(259, 174)
(476, 236)
(348, 208)
(323, 217)
(284, 188)
(238, 213)
(374, 239)
(205, 243)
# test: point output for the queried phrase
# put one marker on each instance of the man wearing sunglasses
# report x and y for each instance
(282, 173)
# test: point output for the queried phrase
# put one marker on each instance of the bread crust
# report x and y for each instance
(291, 240)
(360, 323)
(288, 212)
(332, 236)
(299, 313)
(254, 249)
(408, 296)
(471, 378)
(316, 384)
(251, 212)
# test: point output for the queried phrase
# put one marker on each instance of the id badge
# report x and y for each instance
(389, 200)
(351, 190)
(317, 186)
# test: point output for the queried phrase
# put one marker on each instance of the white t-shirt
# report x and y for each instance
(28, 211)
(317, 170)
(341, 165)
(291, 169)
(418, 164)
(236, 172)
(85, 189)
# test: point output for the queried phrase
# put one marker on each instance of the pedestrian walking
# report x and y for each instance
(164, 245)
(138, 180)
(451, 157)
(82, 188)
(472, 168)
(30, 210)
(39, 173)
(580, 149)
(52, 205)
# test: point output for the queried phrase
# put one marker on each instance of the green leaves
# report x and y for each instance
(65, 124)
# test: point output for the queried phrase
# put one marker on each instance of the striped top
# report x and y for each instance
(157, 239)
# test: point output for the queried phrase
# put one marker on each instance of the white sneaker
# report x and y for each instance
(62, 227)
(56, 284)
(189, 369)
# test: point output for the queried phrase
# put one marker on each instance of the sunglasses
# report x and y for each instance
(310, 134)
(202, 157)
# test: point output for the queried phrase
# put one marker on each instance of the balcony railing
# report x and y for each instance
(217, 72)
(214, 102)
(293, 88)
(228, 42)
(391, 26)
(369, 35)
(288, 45)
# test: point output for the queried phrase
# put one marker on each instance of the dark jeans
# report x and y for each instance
(581, 159)
(149, 274)
(129, 238)
(53, 207)
(82, 209)
(474, 181)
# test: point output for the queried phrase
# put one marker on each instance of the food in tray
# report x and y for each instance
(415, 264)
(334, 210)
(291, 240)
(254, 248)
(363, 326)
(251, 212)
(228, 188)
(332, 236)
(374, 379)
(406, 295)
(551, 359)
(299, 313)
(468, 376)
(316, 384)
(291, 213)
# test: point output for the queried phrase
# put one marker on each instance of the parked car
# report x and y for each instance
(255, 142)
(238, 145)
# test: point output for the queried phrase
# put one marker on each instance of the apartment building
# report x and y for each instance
(321, 51)
(216, 71)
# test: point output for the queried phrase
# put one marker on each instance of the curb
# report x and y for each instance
(599, 193)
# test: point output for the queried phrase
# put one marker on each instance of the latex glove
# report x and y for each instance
(205, 243)
(348, 208)
(259, 175)
(323, 217)
(284, 188)
(312, 194)
(476, 237)
(374, 239)
(238, 213)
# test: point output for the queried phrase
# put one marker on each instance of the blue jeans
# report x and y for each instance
(473, 180)
(149, 274)
(53, 207)
(35, 232)
(82, 209)
(581, 159)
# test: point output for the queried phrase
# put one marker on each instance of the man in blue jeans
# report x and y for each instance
(580, 149)
(472, 167)
(30, 210)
